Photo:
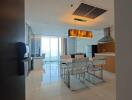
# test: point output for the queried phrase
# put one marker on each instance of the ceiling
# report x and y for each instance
(55, 16)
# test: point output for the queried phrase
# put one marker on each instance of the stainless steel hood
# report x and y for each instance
(107, 37)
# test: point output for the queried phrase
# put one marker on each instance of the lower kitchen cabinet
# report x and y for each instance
(110, 64)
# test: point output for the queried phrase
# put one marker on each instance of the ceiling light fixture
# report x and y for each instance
(80, 33)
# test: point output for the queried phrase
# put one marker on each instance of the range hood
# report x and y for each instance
(107, 37)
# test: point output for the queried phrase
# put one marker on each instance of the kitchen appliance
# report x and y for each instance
(107, 37)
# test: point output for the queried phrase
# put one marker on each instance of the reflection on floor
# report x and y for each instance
(51, 73)
(46, 84)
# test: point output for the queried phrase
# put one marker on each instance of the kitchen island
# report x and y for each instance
(110, 61)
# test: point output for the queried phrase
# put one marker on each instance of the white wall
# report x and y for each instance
(71, 45)
(55, 30)
(82, 43)
(123, 29)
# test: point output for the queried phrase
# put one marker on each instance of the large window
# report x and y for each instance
(51, 47)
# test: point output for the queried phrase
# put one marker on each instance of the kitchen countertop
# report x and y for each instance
(106, 54)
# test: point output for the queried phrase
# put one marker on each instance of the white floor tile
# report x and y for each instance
(47, 85)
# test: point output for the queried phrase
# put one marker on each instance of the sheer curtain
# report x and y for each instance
(51, 47)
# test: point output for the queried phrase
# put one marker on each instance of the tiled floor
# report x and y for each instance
(46, 84)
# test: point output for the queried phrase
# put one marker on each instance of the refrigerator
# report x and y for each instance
(91, 50)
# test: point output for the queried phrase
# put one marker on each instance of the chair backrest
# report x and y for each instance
(79, 63)
(99, 61)
(96, 61)
(79, 56)
(65, 59)
(65, 56)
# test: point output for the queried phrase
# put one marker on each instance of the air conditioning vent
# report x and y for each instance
(88, 11)
(83, 9)
(80, 20)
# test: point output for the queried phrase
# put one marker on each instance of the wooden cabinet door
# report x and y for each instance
(110, 64)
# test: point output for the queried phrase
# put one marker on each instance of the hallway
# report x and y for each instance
(47, 85)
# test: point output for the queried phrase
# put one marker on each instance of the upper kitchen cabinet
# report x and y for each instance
(106, 47)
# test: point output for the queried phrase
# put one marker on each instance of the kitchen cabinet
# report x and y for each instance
(108, 50)
(110, 64)
(110, 61)
(106, 47)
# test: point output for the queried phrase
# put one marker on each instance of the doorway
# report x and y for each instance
(51, 48)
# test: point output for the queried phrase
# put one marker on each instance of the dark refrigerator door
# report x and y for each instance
(94, 50)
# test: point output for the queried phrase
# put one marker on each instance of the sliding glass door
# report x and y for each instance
(51, 47)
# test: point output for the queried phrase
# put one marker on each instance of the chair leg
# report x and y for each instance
(69, 80)
(102, 72)
(88, 79)
(84, 76)
(64, 73)
(61, 72)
